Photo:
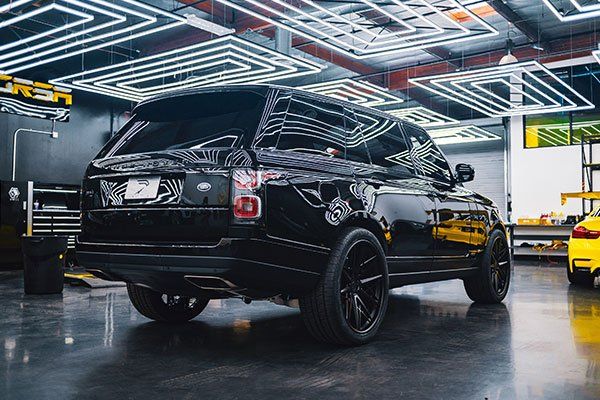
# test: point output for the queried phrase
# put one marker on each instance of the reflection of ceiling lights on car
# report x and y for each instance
(221, 61)
(461, 134)
(88, 25)
(358, 92)
(366, 28)
(506, 90)
(422, 116)
(573, 10)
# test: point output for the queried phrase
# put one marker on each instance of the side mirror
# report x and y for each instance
(464, 173)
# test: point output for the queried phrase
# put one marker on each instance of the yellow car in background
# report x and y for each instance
(584, 250)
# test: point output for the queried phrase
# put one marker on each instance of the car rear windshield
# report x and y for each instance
(207, 120)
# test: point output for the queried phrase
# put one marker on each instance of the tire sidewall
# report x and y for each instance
(487, 265)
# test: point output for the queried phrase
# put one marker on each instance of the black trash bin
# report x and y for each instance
(44, 263)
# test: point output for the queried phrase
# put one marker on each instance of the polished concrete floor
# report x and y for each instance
(544, 343)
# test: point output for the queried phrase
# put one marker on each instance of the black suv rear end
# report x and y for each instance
(175, 202)
(266, 192)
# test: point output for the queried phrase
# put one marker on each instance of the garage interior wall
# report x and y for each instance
(63, 160)
(539, 175)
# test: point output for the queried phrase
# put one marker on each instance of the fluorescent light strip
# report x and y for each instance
(141, 19)
(566, 15)
(422, 116)
(242, 62)
(420, 24)
(358, 92)
(466, 88)
(461, 134)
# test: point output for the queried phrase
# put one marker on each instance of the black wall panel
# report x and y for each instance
(43, 159)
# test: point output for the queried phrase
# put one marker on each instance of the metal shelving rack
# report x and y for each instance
(589, 166)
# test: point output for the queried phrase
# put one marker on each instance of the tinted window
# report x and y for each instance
(225, 119)
(427, 157)
(313, 127)
(356, 149)
(385, 142)
(276, 109)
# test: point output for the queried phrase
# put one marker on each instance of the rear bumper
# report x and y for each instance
(584, 255)
(250, 267)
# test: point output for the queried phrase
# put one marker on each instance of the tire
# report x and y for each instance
(332, 312)
(491, 282)
(579, 278)
(165, 308)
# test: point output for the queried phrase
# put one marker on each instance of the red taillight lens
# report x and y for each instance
(246, 207)
(581, 232)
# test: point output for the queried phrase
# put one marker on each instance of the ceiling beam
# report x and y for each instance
(444, 55)
(520, 23)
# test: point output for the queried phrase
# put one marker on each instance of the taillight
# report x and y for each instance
(246, 179)
(247, 207)
(581, 232)
(245, 195)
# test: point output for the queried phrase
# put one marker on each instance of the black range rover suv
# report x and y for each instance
(267, 192)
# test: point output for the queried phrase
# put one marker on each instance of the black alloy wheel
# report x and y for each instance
(491, 282)
(165, 307)
(362, 283)
(348, 304)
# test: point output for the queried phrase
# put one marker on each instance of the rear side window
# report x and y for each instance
(276, 109)
(218, 119)
(385, 142)
(313, 127)
(356, 148)
(426, 155)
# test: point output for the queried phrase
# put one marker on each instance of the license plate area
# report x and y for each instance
(142, 188)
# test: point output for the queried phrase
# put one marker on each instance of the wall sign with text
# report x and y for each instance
(34, 99)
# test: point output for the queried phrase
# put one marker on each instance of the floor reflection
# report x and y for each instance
(584, 313)
(434, 344)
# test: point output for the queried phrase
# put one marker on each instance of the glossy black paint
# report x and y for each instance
(431, 229)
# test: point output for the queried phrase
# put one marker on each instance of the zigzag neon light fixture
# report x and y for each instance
(92, 24)
(507, 90)
(221, 61)
(422, 116)
(461, 134)
(358, 92)
(370, 28)
(577, 11)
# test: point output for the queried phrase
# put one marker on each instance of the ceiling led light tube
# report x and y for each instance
(492, 91)
(368, 28)
(208, 26)
(102, 23)
(358, 92)
(575, 13)
(221, 61)
(461, 134)
(422, 116)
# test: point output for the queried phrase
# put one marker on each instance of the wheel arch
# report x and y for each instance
(366, 221)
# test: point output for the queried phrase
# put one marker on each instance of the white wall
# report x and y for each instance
(539, 176)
